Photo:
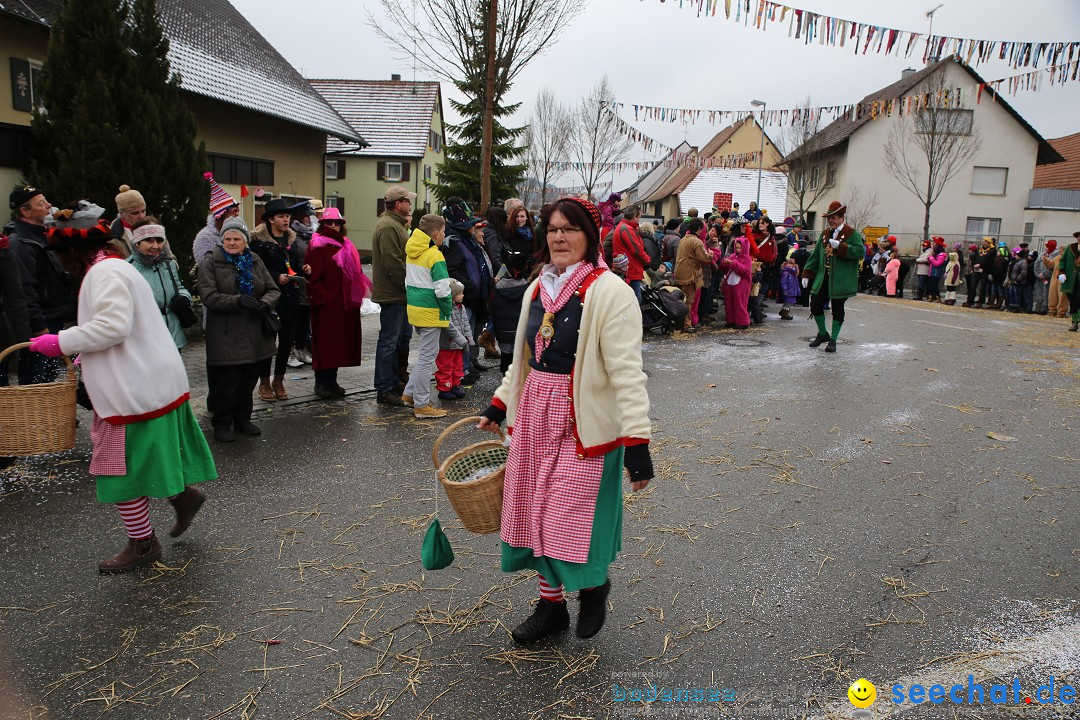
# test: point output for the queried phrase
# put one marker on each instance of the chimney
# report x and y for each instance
(907, 72)
(397, 78)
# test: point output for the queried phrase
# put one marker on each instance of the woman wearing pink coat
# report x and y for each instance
(737, 285)
(892, 274)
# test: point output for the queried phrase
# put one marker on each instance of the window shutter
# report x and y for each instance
(340, 205)
(380, 206)
(405, 171)
(380, 172)
(341, 170)
(20, 85)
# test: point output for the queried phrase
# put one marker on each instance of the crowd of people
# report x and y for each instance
(506, 283)
(992, 275)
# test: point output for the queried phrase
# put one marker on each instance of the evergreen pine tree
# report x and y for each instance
(459, 173)
(170, 174)
(79, 139)
(115, 115)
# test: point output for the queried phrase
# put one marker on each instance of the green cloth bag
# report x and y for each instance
(436, 553)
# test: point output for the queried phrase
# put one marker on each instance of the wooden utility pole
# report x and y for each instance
(487, 143)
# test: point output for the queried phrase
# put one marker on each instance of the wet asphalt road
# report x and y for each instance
(815, 519)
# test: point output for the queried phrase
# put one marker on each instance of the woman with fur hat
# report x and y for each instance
(336, 290)
(151, 257)
(147, 442)
(238, 294)
(576, 401)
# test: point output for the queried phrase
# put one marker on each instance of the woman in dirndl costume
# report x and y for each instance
(147, 442)
(575, 400)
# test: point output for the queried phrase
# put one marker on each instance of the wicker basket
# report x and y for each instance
(478, 502)
(37, 419)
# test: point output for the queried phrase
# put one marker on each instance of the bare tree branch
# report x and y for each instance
(803, 142)
(596, 141)
(546, 141)
(862, 207)
(446, 37)
(927, 151)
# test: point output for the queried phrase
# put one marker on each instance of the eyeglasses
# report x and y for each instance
(566, 231)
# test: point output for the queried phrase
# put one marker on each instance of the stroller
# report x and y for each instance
(662, 310)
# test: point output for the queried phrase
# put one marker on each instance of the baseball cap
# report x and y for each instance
(21, 196)
(398, 192)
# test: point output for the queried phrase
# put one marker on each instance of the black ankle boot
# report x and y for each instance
(831, 347)
(821, 338)
(548, 618)
(593, 610)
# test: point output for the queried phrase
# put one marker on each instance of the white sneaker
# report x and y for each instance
(293, 361)
(304, 355)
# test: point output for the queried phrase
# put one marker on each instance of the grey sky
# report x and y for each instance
(657, 54)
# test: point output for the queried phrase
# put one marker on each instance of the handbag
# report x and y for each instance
(271, 323)
(181, 305)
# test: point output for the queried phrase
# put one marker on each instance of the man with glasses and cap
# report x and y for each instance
(388, 290)
(48, 288)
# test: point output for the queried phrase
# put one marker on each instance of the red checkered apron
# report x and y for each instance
(549, 493)
(109, 456)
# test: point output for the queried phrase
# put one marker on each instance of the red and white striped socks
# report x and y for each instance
(551, 594)
(136, 516)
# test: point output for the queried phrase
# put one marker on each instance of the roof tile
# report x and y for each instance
(1064, 175)
(219, 55)
(393, 116)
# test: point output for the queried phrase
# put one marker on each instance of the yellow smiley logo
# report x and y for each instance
(862, 693)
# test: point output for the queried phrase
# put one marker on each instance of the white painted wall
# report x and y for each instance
(1057, 224)
(1005, 143)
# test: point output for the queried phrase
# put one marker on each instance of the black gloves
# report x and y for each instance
(638, 460)
(250, 303)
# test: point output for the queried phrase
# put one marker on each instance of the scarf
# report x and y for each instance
(564, 286)
(151, 260)
(357, 286)
(304, 232)
(243, 263)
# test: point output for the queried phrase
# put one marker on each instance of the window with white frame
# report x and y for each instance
(815, 177)
(393, 172)
(989, 180)
(331, 169)
(983, 226)
(830, 174)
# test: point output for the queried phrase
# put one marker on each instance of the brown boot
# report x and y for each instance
(278, 387)
(135, 554)
(186, 504)
(266, 393)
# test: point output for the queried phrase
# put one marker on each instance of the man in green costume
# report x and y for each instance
(832, 273)
(1069, 277)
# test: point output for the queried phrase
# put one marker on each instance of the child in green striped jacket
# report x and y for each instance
(427, 291)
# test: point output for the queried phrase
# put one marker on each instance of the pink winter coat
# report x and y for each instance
(892, 274)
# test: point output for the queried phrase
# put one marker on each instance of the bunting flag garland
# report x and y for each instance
(949, 97)
(1032, 81)
(682, 160)
(865, 38)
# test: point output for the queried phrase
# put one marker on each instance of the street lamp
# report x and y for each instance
(761, 152)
